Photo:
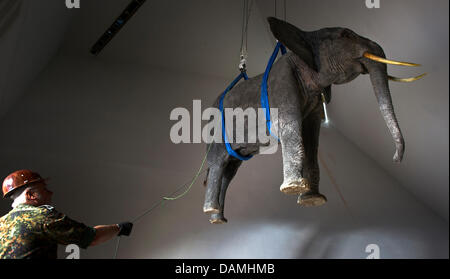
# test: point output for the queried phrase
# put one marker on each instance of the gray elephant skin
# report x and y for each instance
(316, 60)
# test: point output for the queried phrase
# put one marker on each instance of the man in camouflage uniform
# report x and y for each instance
(33, 229)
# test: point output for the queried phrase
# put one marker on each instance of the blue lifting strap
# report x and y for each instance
(264, 101)
(264, 94)
(230, 150)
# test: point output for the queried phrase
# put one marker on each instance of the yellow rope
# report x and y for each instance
(160, 203)
(193, 181)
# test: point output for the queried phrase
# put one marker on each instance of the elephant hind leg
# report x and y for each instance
(217, 159)
(311, 132)
(228, 174)
(211, 204)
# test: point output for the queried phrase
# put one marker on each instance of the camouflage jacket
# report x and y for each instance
(30, 232)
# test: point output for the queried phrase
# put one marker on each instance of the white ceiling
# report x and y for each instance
(191, 36)
(203, 37)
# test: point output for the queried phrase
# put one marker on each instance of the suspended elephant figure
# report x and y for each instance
(316, 60)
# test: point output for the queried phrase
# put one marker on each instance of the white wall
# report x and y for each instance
(30, 34)
(101, 131)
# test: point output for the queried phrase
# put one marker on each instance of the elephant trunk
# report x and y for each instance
(379, 79)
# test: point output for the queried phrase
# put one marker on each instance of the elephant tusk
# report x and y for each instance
(411, 79)
(383, 60)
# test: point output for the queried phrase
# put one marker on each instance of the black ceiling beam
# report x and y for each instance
(129, 11)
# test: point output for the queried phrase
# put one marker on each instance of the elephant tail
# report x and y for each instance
(205, 182)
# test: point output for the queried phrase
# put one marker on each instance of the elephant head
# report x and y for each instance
(338, 55)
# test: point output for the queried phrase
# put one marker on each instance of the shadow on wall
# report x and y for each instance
(264, 223)
(9, 12)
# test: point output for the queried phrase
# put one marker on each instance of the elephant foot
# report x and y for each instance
(295, 187)
(209, 209)
(218, 220)
(311, 199)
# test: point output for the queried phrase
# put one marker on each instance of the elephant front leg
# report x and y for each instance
(293, 156)
(311, 133)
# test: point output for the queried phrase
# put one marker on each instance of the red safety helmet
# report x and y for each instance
(19, 179)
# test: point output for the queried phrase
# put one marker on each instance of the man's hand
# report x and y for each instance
(106, 232)
(125, 228)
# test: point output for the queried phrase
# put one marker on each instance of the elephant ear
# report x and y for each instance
(294, 39)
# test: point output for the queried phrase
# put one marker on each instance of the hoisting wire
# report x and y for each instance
(246, 12)
(161, 202)
(275, 8)
(117, 247)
